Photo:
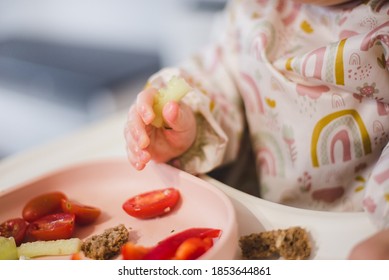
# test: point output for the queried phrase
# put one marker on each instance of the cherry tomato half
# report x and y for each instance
(42, 205)
(15, 228)
(51, 227)
(152, 204)
(84, 214)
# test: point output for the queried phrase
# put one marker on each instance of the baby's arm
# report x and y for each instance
(210, 116)
(376, 247)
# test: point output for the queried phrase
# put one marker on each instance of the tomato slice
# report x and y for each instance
(85, 214)
(152, 204)
(51, 227)
(15, 228)
(42, 205)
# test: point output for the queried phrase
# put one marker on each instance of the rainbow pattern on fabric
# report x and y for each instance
(345, 127)
(269, 156)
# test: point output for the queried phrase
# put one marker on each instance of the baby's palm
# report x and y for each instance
(177, 135)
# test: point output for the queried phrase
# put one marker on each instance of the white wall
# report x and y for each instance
(148, 24)
(170, 28)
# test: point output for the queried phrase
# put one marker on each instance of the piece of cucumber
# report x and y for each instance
(175, 90)
(8, 249)
(50, 248)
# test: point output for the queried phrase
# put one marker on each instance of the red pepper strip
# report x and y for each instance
(130, 251)
(75, 256)
(166, 249)
(193, 248)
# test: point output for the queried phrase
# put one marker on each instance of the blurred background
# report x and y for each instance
(67, 63)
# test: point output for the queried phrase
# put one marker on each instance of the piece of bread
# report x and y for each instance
(106, 245)
(290, 244)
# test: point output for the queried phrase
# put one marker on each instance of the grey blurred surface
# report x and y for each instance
(66, 64)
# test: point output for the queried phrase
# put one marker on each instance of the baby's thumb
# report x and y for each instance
(178, 117)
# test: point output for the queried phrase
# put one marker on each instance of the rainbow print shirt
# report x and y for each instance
(313, 85)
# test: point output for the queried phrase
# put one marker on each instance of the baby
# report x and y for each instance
(311, 80)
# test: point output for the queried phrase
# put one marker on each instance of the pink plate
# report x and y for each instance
(107, 184)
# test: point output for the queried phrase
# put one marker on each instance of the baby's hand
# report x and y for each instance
(376, 247)
(145, 141)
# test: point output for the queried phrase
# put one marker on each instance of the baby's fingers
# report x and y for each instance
(137, 157)
(144, 105)
(135, 130)
(179, 116)
(137, 140)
